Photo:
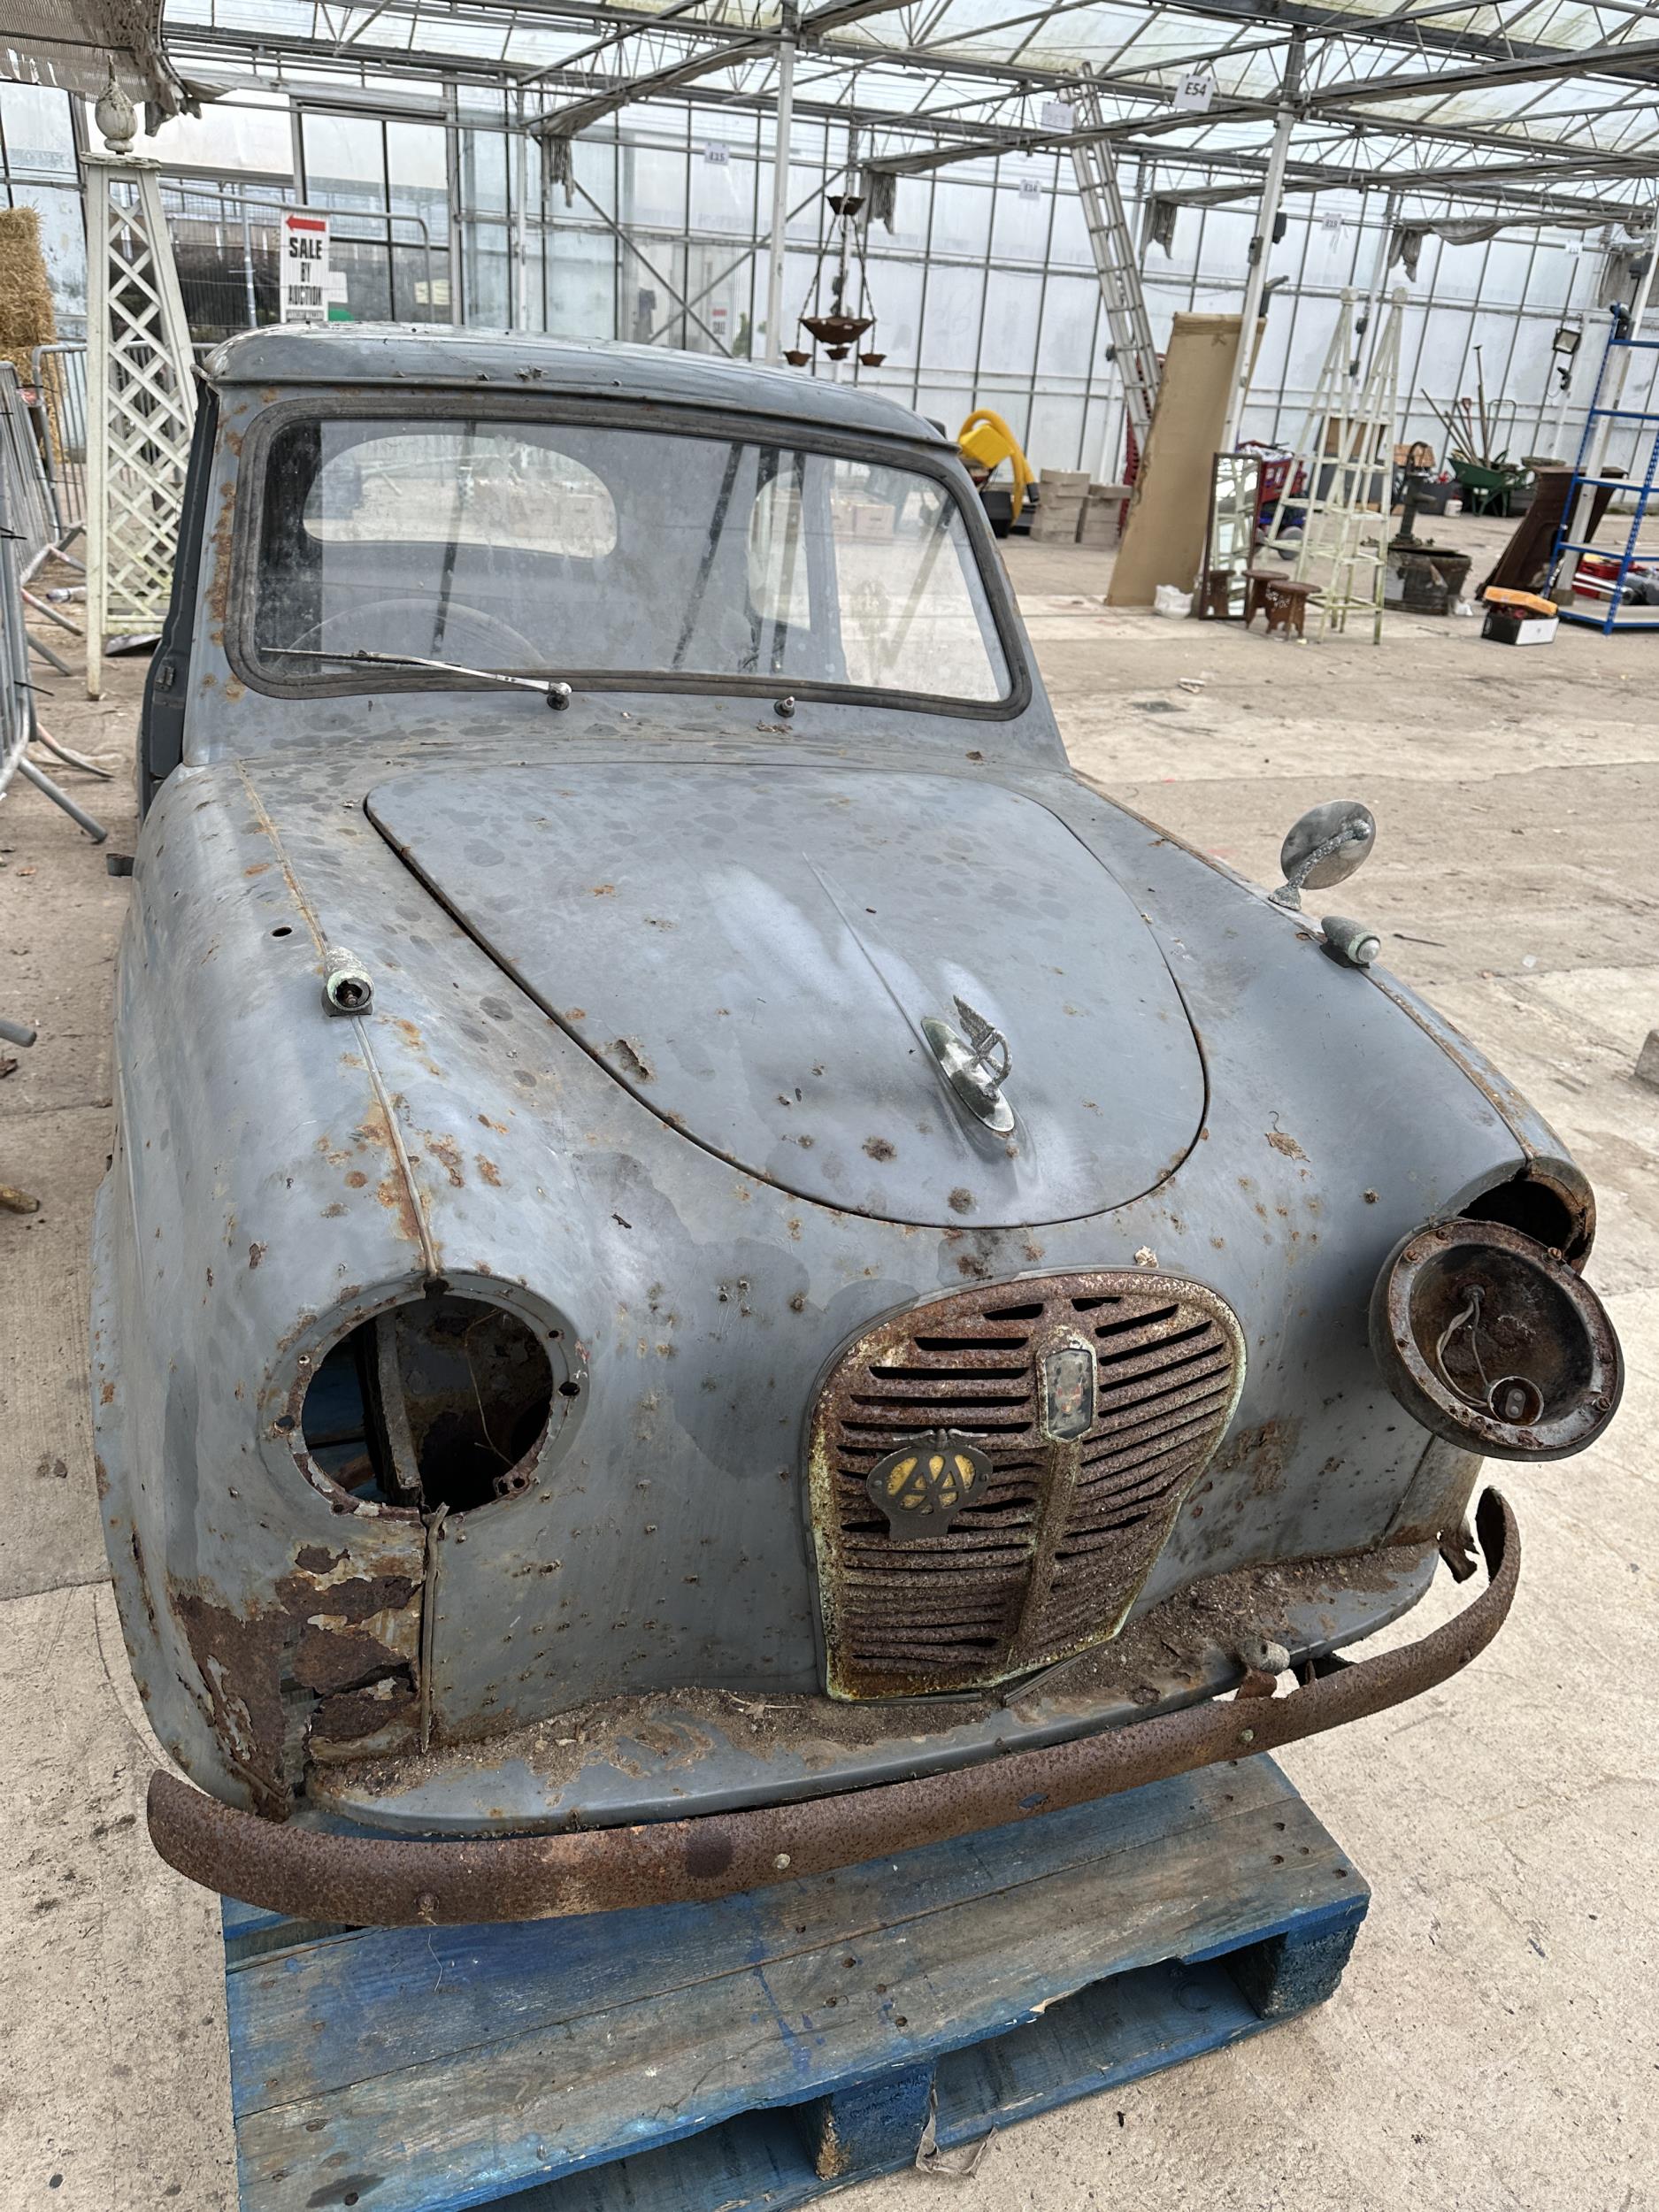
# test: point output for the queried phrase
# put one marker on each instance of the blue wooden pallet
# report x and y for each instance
(765, 2049)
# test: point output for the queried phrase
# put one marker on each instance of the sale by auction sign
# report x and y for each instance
(310, 289)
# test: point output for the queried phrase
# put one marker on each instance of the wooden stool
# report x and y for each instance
(1280, 598)
(1216, 603)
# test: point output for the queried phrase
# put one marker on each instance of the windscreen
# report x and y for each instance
(573, 550)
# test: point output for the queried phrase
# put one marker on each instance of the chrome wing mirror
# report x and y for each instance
(1323, 847)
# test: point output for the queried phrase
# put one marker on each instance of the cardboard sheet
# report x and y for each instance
(1164, 536)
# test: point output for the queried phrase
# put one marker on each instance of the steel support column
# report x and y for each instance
(1262, 243)
(780, 184)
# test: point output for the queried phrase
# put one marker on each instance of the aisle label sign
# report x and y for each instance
(1195, 92)
(307, 285)
(1056, 115)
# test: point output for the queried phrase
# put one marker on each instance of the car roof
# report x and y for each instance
(412, 356)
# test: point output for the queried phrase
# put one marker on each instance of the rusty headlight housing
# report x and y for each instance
(446, 1396)
(1491, 1341)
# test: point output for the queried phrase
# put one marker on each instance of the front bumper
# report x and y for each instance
(391, 1882)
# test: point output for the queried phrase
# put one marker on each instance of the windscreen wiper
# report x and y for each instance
(555, 690)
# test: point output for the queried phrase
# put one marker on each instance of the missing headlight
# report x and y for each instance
(1559, 1217)
(444, 1401)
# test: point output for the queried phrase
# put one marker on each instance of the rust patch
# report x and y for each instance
(488, 1170)
(357, 1598)
(395, 1190)
(879, 1148)
(1283, 1141)
(346, 1717)
(331, 1660)
(106, 1394)
(263, 1674)
(255, 1252)
(143, 1584)
(258, 869)
(410, 1034)
(217, 597)
(240, 1664)
(446, 1150)
(1264, 1452)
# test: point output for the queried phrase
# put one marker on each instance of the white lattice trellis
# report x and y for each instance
(141, 405)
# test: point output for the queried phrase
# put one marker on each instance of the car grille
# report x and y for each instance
(1045, 1557)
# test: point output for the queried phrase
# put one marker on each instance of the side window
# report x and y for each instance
(778, 585)
(913, 617)
(863, 573)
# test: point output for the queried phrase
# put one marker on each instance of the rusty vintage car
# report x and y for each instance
(714, 1265)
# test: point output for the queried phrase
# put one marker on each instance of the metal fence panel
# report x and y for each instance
(28, 501)
(228, 249)
(17, 696)
(60, 377)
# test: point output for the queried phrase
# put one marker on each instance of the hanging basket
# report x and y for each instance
(837, 330)
(797, 359)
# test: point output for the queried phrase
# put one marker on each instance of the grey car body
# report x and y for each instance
(643, 1070)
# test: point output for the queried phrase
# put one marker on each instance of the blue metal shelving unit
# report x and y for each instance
(1641, 479)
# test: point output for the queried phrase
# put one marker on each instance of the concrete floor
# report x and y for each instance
(1492, 2045)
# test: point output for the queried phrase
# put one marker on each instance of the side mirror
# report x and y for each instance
(1323, 847)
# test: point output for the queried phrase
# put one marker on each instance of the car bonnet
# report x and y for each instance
(754, 953)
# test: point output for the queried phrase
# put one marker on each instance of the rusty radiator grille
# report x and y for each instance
(1045, 1555)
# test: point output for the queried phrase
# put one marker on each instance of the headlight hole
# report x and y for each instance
(446, 1401)
(1538, 1211)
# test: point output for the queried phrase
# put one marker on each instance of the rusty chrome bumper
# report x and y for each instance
(381, 1882)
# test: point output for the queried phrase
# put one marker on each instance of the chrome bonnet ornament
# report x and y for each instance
(976, 1067)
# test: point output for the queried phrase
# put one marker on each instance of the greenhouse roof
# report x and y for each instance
(1538, 107)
